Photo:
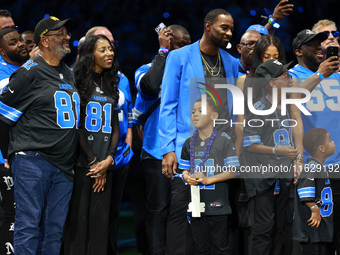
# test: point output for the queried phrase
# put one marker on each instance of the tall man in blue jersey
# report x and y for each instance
(318, 76)
(311, 72)
(148, 80)
(203, 59)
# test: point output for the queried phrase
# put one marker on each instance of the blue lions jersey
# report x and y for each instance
(124, 153)
(324, 106)
(6, 71)
(151, 142)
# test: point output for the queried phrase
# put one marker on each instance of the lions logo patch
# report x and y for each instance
(225, 135)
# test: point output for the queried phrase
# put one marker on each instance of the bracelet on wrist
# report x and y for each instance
(182, 177)
(273, 150)
(93, 161)
(312, 207)
(272, 22)
(113, 160)
(320, 75)
(163, 50)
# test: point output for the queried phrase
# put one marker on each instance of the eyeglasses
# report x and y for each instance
(334, 33)
(250, 45)
(61, 35)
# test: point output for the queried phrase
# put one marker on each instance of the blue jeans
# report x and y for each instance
(42, 194)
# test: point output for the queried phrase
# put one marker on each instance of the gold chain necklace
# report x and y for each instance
(212, 68)
(99, 89)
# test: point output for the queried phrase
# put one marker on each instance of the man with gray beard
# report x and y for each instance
(41, 103)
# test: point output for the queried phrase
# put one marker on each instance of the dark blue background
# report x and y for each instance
(132, 22)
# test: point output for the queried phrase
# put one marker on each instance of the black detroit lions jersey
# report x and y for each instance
(96, 124)
(272, 133)
(222, 154)
(313, 184)
(41, 103)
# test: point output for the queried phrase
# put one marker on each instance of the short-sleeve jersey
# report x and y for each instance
(96, 124)
(42, 105)
(313, 184)
(124, 153)
(324, 105)
(6, 70)
(259, 130)
(222, 157)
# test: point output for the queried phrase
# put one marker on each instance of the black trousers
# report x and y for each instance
(157, 205)
(315, 249)
(178, 237)
(210, 235)
(119, 177)
(270, 219)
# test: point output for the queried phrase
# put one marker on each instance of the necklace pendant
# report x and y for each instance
(212, 71)
(202, 143)
(99, 90)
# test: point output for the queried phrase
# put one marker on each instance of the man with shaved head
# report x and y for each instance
(148, 81)
(245, 48)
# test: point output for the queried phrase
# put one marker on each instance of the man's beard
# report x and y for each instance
(61, 50)
(217, 42)
(21, 59)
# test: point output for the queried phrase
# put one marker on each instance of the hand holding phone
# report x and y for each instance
(159, 27)
(332, 51)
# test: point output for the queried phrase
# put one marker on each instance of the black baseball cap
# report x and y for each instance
(307, 35)
(269, 70)
(47, 24)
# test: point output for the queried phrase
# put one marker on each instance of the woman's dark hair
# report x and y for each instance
(83, 70)
(256, 60)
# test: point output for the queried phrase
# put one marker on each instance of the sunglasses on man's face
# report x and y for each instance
(334, 33)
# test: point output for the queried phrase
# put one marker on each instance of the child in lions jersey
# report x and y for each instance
(313, 204)
(207, 160)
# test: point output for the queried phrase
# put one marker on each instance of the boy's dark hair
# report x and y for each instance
(313, 138)
(213, 15)
(216, 107)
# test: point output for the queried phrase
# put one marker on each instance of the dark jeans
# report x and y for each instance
(210, 235)
(157, 205)
(42, 194)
